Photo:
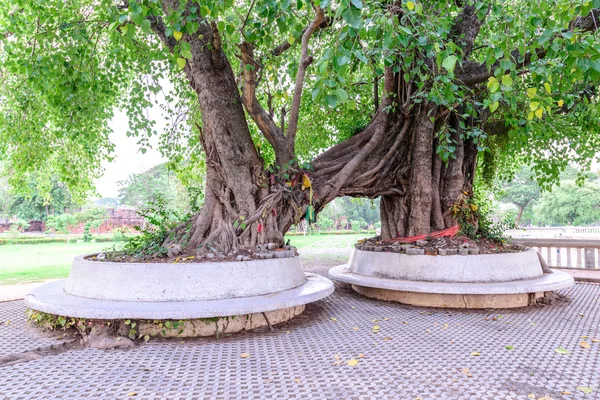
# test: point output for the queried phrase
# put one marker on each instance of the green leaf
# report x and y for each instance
(450, 62)
(186, 54)
(531, 92)
(507, 81)
(493, 84)
(585, 389)
(341, 95)
(177, 35)
(562, 350)
(358, 4)
(410, 5)
(494, 106)
(352, 16)
(146, 26)
(548, 87)
(181, 62)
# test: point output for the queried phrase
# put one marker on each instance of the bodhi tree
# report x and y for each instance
(290, 104)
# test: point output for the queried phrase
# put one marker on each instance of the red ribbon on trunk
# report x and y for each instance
(437, 234)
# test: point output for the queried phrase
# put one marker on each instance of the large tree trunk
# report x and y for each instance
(393, 157)
(242, 207)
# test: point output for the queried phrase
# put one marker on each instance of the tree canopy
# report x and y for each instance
(403, 94)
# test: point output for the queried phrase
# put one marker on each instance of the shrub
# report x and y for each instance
(160, 220)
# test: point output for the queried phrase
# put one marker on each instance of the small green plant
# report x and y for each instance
(18, 227)
(159, 221)
(62, 223)
(474, 212)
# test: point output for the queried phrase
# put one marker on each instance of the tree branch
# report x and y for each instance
(305, 61)
(283, 47)
(473, 73)
(466, 27)
(258, 114)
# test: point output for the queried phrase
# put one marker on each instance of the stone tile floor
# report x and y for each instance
(416, 353)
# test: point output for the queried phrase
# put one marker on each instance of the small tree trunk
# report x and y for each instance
(520, 214)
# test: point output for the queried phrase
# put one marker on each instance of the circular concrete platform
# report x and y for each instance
(447, 287)
(196, 281)
(51, 298)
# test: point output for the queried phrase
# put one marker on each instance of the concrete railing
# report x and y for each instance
(584, 232)
(565, 253)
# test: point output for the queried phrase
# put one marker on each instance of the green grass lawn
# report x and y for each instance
(21, 263)
(325, 241)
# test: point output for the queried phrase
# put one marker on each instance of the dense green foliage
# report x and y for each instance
(572, 202)
(31, 204)
(569, 204)
(67, 65)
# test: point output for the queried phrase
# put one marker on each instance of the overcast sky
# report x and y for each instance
(129, 160)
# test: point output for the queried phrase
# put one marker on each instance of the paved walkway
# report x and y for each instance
(17, 292)
(583, 275)
(416, 353)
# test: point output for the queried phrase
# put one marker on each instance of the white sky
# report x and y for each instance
(128, 159)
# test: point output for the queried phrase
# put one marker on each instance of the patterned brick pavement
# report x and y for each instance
(415, 353)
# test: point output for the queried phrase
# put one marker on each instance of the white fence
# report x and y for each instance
(566, 253)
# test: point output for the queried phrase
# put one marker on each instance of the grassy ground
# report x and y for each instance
(324, 241)
(30, 263)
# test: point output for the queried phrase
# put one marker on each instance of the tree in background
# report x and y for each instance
(30, 204)
(344, 210)
(521, 191)
(92, 218)
(569, 204)
(62, 223)
(141, 189)
(297, 103)
(524, 192)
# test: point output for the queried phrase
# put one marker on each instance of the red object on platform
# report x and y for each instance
(437, 234)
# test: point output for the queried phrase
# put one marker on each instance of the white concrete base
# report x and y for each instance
(452, 294)
(51, 298)
(161, 281)
(501, 267)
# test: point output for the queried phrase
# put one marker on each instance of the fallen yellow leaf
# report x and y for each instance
(566, 392)
(355, 328)
(244, 355)
(361, 355)
(353, 362)
(131, 394)
(298, 380)
(585, 345)
(531, 396)
(595, 340)
(334, 319)
(475, 354)
(387, 338)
